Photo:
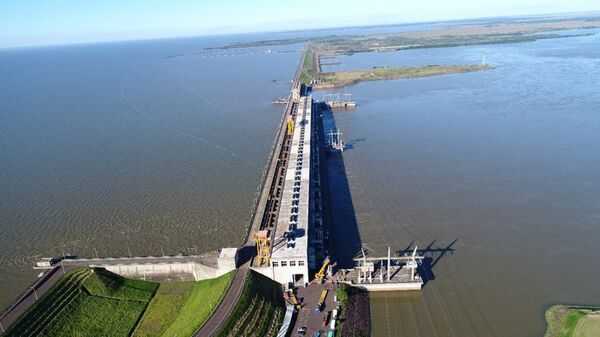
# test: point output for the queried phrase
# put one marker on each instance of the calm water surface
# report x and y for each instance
(505, 163)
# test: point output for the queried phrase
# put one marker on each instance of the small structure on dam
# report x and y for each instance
(339, 101)
(387, 273)
(335, 141)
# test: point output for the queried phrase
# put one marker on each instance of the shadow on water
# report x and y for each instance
(432, 255)
(350, 145)
(340, 214)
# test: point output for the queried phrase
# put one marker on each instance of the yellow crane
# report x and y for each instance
(294, 300)
(319, 275)
(290, 126)
(321, 301)
(263, 247)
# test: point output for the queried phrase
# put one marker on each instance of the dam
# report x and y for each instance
(287, 239)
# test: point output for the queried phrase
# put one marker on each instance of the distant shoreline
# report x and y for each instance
(485, 32)
(451, 36)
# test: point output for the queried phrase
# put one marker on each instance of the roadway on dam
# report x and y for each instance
(246, 252)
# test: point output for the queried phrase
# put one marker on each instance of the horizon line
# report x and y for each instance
(259, 31)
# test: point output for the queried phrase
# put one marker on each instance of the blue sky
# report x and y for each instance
(41, 22)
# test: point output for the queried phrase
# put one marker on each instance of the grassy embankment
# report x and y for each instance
(309, 70)
(344, 78)
(572, 321)
(259, 311)
(96, 302)
(87, 302)
(179, 308)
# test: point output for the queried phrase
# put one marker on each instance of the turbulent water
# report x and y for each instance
(115, 148)
(497, 171)
(160, 146)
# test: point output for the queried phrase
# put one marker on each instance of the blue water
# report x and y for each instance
(506, 162)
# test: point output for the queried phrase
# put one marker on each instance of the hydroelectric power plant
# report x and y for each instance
(288, 240)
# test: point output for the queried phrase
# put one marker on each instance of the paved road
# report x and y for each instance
(226, 306)
(27, 299)
(310, 318)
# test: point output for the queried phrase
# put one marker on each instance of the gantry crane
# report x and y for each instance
(263, 247)
(293, 299)
(290, 126)
(319, 275)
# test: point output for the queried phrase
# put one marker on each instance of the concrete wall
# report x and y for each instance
(193, 270)
(284, 274)
(195, 267)
(281, 274)
(389, 286)
(266, 271)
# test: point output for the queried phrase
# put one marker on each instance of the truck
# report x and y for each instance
(321, 301)
(333, 317)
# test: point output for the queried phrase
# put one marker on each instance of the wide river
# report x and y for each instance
(115, 148)
(504, 163)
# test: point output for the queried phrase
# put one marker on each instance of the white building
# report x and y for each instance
(289, 255)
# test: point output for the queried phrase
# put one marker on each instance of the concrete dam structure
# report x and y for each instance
(291, 241)
(165, 268)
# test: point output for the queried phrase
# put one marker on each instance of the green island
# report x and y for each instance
(572, 321)
(344, 78)
(260, 298)
(95, 302)
(311, 75)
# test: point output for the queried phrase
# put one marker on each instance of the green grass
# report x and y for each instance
(309, 70)
(588, 326)
(65, 291)
(571, 322)
(95, 302)
(92, 316)
(565, 321)
(87, 302)
(259, 311)
(164, 308)
(178, 309)
(103, 283)
(343, 78)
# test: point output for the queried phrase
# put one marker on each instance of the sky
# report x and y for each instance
(44, 22)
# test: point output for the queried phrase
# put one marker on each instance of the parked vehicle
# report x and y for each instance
(326, 318)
